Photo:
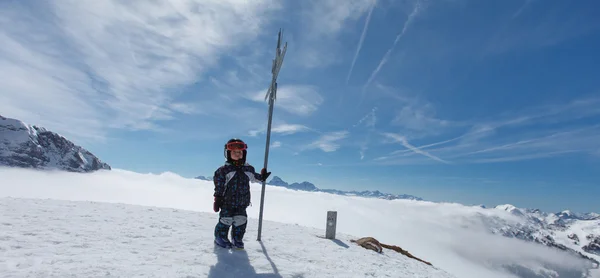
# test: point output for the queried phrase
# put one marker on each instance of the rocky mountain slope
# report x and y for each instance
(28, 146)
(575, 233)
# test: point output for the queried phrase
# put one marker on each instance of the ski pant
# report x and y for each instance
(232, 216)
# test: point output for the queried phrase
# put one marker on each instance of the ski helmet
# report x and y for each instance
(235, 144)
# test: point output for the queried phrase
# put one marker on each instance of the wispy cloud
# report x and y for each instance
(362, 39)
(525, 147)
(522, 157)
(539, 132)
(114, 64)
(557, 22)
(369, 121)
(276, 144)
(290, 128)
(283, 129)
(415, 116)
(186, 108)
(522, 8)
(402, 140)
(420, 119)
(328, 141)
(324, 20)
(407, 24)
(299, 100)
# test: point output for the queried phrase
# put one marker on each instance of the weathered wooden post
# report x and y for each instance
(331, 223)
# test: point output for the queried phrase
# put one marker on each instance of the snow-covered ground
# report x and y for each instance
(452, 237)
(47, 238)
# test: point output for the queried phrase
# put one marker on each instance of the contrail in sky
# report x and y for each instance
(362, 38)
(385, 58)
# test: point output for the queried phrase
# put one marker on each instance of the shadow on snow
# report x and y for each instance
(235, 263)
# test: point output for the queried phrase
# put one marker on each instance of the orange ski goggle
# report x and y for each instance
(236, 146)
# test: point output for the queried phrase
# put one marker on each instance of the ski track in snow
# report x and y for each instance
(51, 238)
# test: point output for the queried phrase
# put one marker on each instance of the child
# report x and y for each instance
(232, 193)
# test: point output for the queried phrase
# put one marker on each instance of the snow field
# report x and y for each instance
(452, 237)
(53, 238)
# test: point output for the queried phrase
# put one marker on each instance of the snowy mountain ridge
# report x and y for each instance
(30, 146)
(565, 230)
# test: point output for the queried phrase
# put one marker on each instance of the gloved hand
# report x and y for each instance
(217, 204)
(264, 174)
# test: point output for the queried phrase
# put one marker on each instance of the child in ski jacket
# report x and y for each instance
(232, 193)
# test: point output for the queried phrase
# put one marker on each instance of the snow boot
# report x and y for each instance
(223, 242)
(238, 244)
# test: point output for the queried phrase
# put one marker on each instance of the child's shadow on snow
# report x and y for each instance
(235, 264)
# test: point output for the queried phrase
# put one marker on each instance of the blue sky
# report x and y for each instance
(477, 102)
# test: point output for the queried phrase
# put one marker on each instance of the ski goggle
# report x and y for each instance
(236, 146)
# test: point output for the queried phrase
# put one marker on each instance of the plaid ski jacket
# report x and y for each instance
(233, 184)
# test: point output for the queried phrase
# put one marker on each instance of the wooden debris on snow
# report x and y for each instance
(373, 244)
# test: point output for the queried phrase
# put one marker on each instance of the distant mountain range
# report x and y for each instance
(307, 186)
(28, 146)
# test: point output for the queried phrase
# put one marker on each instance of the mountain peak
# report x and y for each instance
(29, 146)
(204, 178)
(566, 213)
(277, 181)
(510, 208)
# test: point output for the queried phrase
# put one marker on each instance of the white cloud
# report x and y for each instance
(255, 132)
(282, 128)
(450, 236)
(300, 100)
(114, 63)
(290, 128)
(328, 141)
(276, 144)
(34, 90)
